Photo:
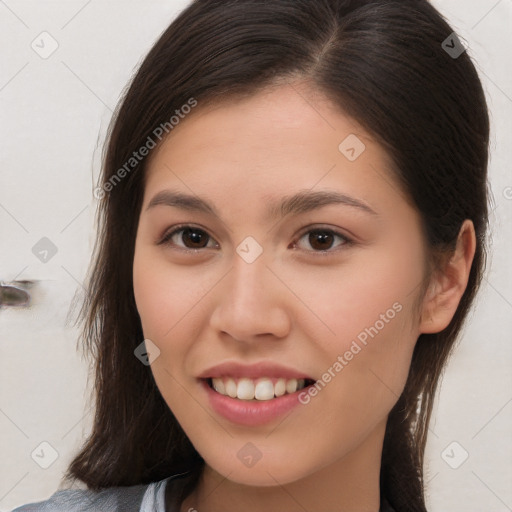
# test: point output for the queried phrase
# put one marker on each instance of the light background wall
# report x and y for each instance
(54, 114)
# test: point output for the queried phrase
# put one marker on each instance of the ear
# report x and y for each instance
(449, 283)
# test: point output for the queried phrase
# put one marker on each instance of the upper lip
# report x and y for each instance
(253, 371)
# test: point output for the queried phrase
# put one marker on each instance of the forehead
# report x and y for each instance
(283, 139)
(278, 119)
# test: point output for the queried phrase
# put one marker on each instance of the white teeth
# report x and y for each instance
(264, 390)
(291, 386)
(245, 389)
(230, 388)
(218, 385)
(260, 389)
(280, 387)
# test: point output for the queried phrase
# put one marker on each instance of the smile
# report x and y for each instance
(261, 389)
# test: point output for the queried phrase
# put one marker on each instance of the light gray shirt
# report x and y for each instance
(138, 498)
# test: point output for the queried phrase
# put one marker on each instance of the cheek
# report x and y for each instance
(163, 297)
(370, 296)
(364, 327)
(151, 298)
(169, 300)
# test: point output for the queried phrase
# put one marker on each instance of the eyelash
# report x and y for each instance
(165, 240)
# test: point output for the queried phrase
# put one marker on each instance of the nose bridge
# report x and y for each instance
(248, 285)
(249, 302)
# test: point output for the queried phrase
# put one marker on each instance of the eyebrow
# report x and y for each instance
(302, 202)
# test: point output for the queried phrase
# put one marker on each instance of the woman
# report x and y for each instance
(293, 219)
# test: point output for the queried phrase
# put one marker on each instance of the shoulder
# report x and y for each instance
(138, 498)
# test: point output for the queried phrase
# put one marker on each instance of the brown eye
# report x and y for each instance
(322, 240)
(195, 237)
(187, 238)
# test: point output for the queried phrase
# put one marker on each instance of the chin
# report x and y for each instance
(267, 473)
(261, 478)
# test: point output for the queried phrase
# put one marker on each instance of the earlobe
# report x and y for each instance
(449, 283)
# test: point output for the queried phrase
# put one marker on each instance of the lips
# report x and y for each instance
(255, 371)
(258, 382)
(252, 412)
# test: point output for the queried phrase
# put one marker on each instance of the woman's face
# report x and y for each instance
(263, 299)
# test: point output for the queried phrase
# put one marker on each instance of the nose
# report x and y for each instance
(251, 303)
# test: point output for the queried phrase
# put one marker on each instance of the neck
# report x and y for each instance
(348, 484)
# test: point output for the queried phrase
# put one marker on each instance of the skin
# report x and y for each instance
(290, 305)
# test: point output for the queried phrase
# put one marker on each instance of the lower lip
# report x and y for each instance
(250, 413)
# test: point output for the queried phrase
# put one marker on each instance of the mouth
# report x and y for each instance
(254, 390)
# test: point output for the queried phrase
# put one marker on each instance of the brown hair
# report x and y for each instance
(383, 63)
